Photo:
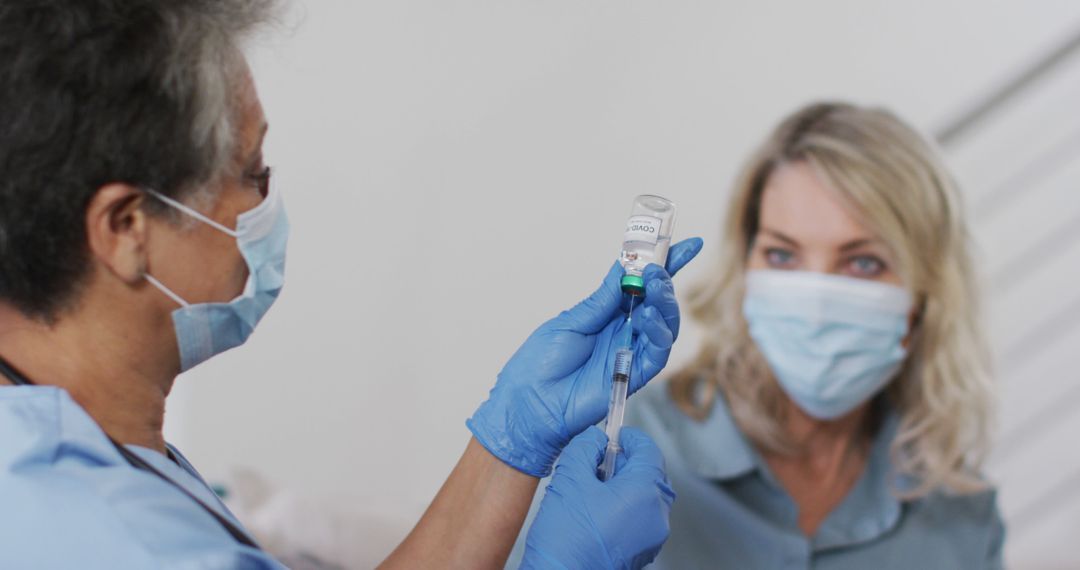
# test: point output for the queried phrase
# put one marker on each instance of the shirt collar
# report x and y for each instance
(717, 449)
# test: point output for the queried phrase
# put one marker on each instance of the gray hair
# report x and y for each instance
(205, 68)
(94, 92)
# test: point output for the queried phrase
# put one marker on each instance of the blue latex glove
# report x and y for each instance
(586, 523)
(559, 382)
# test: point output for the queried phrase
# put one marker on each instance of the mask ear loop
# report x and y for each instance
(168, 292)
(192, 212)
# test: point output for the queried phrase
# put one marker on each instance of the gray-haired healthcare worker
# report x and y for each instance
(140, 236)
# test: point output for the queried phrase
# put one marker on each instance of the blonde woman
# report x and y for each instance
(837, 412)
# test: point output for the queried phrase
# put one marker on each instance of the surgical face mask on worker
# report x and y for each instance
(204, 330)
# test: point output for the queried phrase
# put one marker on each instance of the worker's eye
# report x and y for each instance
(260, 179)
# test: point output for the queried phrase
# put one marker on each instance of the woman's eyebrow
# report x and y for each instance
(780, 236)
(847, 246)
(857, 243)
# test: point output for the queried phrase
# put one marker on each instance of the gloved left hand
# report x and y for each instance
(587, 523)
(559, 382)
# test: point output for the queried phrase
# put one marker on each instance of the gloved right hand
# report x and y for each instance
(585, 523)
(559, 382)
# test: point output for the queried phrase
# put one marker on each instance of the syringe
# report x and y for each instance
(620, 381)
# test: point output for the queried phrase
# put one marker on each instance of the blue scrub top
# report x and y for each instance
(731, 512)
(68, 499)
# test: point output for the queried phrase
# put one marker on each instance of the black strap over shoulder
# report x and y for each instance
(137, 462)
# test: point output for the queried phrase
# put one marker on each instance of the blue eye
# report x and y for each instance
(777, 257)
(866, 266)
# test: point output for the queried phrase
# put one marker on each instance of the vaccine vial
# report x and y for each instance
(647, 239)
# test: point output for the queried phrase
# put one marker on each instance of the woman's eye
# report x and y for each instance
(777, 257)
(866, 266)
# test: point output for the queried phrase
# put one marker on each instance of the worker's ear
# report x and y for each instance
(116, 230)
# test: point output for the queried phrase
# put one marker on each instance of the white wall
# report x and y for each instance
(1021, 167)
(457, 172)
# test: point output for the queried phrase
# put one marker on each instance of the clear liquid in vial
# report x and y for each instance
(646, 240)
(637, 254)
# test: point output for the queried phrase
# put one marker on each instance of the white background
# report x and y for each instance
(456, 172)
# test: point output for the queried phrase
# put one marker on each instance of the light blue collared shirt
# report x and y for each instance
(731, 512)
(68, 499)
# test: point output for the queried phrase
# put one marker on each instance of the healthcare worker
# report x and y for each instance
(838, 410)
(140, 235)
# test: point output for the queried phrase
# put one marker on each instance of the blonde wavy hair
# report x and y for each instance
(892, 177)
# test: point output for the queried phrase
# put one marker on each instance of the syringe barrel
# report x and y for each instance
(624, 357)
(616, 409)
(607, 468)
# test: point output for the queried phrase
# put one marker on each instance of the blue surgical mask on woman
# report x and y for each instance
(832, 342)
(204, 330)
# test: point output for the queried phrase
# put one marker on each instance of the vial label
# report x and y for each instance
(642, 228)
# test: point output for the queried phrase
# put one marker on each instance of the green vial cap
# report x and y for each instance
(634, 285)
